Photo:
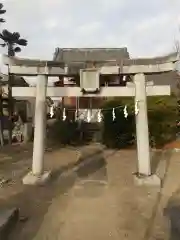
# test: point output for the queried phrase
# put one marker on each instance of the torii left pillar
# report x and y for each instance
(37, 175)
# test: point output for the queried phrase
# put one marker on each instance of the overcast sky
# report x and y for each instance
(146, 28)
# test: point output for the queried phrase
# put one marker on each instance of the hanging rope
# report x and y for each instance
(104, 109)
(98, 114)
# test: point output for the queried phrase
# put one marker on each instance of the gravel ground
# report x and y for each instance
(92, 195)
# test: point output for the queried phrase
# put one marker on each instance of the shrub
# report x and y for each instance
(120, 132)
(67, 132)
(62, 132)
(162, 116)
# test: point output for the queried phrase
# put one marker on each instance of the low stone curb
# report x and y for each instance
(173, 214)
(166, 150)
(176, 149)
(8, 219)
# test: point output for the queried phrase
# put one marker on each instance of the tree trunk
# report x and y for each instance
(1, 119)
(10, 102)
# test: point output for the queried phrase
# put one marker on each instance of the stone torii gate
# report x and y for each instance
(89, 82)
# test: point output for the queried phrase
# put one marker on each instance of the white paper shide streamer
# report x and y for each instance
(125, 112)
(64, 114)
(99, 116)
(51, 111)
(113, 114)
(136, 108)
(88, 116)
(76, 115)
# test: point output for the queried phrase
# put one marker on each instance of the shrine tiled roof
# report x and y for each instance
(81, 55)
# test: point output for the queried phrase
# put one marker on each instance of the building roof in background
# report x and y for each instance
(17, 81)
(81, 55)
(169, 78)
(20, 82)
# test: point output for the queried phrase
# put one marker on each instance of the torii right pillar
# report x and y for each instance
(144, 174)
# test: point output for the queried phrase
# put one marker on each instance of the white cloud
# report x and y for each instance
(51, 23)
(153, 22)
(89, 28)
(107, 5)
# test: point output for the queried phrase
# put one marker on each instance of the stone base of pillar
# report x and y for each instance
(152, 180)
(31, 179)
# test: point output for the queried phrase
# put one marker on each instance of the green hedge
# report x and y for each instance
(162, 116)
(68, 132)
(62, 132)
(120, 132)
